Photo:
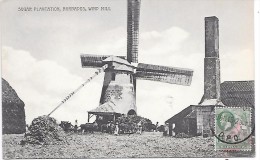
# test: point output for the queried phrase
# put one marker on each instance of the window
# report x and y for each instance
(113, 76)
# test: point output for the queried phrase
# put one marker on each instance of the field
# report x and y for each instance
(102, 145)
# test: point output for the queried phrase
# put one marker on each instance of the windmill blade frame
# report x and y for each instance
(173, 75)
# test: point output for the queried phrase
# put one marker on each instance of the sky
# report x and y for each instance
(41, 51)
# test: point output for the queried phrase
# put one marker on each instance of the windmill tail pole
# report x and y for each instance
(76, 90)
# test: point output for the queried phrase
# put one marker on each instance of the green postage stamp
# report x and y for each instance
(233, 128)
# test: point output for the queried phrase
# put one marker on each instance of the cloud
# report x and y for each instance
(164, 42)
(42, 84)
(237, 65)
(111, 42)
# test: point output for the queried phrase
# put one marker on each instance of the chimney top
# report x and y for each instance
(212, 18)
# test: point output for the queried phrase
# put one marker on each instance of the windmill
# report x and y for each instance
(119, 86)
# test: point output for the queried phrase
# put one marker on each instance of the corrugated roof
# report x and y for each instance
(237, 93)
(238, 86)
(108, 107)
(182, 114)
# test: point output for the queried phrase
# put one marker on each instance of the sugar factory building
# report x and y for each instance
(199, 119)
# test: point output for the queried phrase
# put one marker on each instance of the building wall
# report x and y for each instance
(182, 124)
(200, 124)
(205, 120)
(120, 90)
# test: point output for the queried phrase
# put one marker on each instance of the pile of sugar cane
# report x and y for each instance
(44, 130)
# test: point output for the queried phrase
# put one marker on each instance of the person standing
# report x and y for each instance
(140, 127)
(76, 126)
(116, 129)
(156, 126)
(166, 129)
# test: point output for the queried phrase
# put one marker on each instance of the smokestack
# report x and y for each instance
(133, 14)
(211, 60)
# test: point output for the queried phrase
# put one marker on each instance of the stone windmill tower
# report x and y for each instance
(119, 86)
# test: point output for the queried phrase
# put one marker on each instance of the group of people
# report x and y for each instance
(116, 128)
(139, 130)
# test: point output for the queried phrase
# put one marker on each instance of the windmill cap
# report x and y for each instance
(117, 59)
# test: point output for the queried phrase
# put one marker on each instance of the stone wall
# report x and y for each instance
(205, 120)
(211, 60)
(212, 78)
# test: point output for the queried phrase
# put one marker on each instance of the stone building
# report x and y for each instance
(199, 119)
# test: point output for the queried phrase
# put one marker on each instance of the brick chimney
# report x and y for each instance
(133, 16)
(211, 62)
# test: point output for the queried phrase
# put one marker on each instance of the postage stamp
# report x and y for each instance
(233, 128)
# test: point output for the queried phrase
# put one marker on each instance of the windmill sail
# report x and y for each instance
(165, 74)
(133, 14)
(94, 61)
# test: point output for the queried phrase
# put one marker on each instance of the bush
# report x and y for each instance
(133, 120)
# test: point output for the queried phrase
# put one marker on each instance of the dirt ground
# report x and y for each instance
(102, 145)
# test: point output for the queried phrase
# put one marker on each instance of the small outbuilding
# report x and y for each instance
(105, 112)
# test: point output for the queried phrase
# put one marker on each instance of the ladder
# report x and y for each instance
(102, 69)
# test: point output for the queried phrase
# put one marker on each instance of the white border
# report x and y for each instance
(257, 87)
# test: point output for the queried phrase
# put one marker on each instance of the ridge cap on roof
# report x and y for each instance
(238, 81)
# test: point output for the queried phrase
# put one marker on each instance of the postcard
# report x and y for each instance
(127, 79)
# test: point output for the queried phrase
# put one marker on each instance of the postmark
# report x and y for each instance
(233, 128)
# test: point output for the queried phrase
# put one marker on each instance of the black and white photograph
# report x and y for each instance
(109, 79)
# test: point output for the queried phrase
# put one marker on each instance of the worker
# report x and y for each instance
(140, 127)
(76, 126)
(156, 126)
(166, 129)
(116, 129)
